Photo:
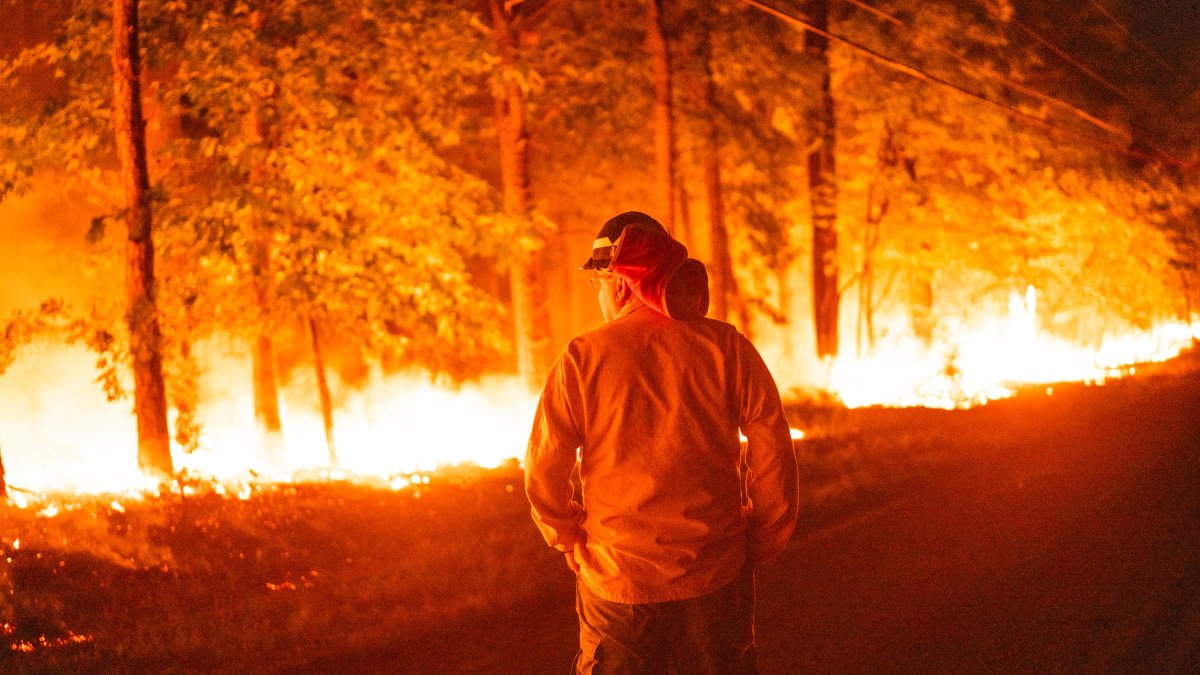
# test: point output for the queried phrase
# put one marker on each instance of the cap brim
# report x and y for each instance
(589, 265)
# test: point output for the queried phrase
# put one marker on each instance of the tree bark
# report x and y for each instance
(877, 207)
(783, 278)
(265, 373)
(664, 120)
(149, 392)
(683, 230)
(184, 396)
(822, 180)
(921, 304)
(323, 390)
(266, 378)
(8, 619)
(526, 280)
(725, 291)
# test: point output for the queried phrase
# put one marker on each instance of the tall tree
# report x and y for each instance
(150, 398)
(664, 116)
(724, 285)
(749, 67)
(966, 203)
(323, 390)
(822, 180)
(258, 140)
(368, 228)
(525, 273)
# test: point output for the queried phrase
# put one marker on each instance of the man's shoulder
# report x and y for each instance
(647, 325)
(648, 320)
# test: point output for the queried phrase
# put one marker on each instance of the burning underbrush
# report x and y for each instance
(261, 576)
(273, 577)
(210, 580)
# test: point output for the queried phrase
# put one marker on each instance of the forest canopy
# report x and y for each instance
(410, 184)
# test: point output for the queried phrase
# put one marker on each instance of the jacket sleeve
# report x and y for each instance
(772, 478)
(550, 458)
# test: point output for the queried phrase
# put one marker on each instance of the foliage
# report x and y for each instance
(944, 190)
(354, 142)
(370, 231)
(763, 87)
(54, 319)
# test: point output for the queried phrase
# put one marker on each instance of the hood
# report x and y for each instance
(660, 273)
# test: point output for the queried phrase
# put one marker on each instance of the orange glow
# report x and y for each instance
(60, 434)
(991, 356)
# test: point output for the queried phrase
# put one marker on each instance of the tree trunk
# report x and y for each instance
(323, 390)
(3, 484)
(877, 208)
(683, 231)
(783, 279)
(921, 305)
(525, 277)
(8, 618)
(266, 378)
(664, 121)
(822, 180)
(184, 396)
(149, 392)
(265, 373)
(724, 285)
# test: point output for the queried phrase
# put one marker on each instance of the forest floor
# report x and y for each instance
(1056, 531)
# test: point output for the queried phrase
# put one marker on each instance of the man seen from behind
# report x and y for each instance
(675, 514)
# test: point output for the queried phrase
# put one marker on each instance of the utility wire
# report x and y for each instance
(1019, 86)
(1134, 102)
(934, 79)
(1133, 38)
(1058, 51)
(987, 71)
(1187, 80)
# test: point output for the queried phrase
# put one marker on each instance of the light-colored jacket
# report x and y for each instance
(653, 406)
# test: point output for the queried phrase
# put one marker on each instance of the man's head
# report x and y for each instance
(606, 239)
(612, 291)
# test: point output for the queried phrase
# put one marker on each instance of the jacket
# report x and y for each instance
(651, 407)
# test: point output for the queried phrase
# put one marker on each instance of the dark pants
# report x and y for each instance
(709, 635)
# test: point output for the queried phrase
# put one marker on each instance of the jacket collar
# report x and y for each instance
(630, 307)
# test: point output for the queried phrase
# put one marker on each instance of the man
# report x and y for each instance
(668, 530)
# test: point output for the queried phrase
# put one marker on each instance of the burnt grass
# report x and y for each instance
(215, 583)
(296, 575)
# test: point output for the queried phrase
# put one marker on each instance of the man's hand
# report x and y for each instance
(571, 561)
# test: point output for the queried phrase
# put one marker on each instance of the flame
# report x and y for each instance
(989, 357)
(60, 434)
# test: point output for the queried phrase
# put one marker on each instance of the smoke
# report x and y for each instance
(44, 235)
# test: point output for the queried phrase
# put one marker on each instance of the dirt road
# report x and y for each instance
(1050, 534)
(1075, 549)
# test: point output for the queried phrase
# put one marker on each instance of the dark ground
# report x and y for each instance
(1049, 534)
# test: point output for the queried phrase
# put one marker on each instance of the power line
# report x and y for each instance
(984, 70)
(989, 72)
(934, 79)
(1058, 51)
(1139, 106)
(1133, 38)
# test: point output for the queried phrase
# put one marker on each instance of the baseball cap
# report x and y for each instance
(606, 238)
